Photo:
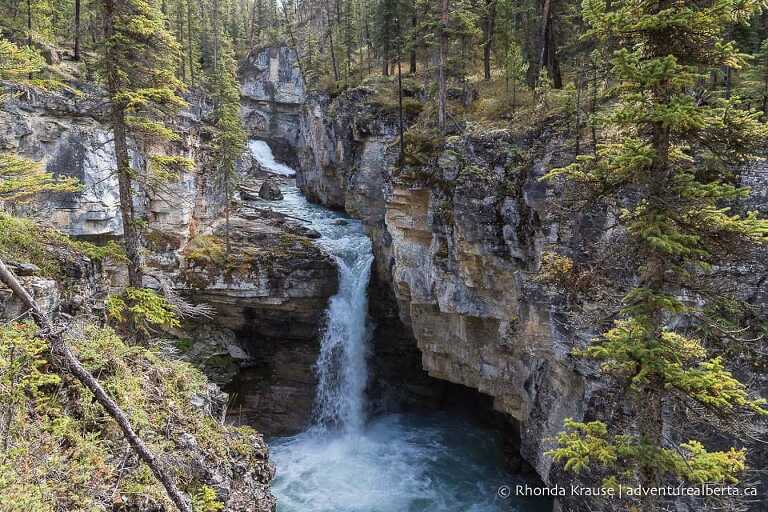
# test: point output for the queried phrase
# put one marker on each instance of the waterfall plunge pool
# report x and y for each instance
(345, 462)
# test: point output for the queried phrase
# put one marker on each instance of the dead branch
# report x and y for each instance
(68, 362)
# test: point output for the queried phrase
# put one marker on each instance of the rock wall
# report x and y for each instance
(271, 99)
(68, 134)
(455, 256)
(462, 243)
(262, 339)
(269, 308)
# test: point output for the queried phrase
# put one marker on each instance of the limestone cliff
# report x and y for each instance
(490, 280)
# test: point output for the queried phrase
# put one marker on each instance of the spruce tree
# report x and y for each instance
(229, 140)
(140, 60)
(515, 68)
(669, 161)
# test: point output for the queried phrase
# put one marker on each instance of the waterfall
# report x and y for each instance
(262, 153)
(341, 366)
(393, 463)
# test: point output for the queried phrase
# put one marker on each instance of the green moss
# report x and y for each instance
(206, 251)
(184, 345)
(65, 453)
(23, 240)
(158, 240)
(422, 145)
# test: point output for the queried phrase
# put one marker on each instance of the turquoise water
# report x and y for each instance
(398, 463)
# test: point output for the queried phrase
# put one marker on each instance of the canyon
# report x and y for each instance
(470, 310)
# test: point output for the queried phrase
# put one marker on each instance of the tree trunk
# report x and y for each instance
(66, 361)
(216, 34)
(348, 43)
(190, 50)
(579, 84)
(765, 92)
(387, 28)
(514, 95)
(400, 97)
(414, 21)
(228, 198)
(441, 79)
(117, 119)
(330, 41)
(490, 27)
(77, 31)
(548, 56)
(29, 27)
(180, 37)
(593, 109)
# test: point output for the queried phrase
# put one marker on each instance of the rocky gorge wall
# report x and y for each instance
(469, 246)
(261, 340)
(455, 253)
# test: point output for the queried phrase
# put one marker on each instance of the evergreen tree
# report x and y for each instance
(670, 162)
(515, 68)
(230, 138)
(140, 60)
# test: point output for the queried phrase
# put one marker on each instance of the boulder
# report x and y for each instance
(270, 190)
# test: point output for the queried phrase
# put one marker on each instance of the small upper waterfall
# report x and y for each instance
(396, 463)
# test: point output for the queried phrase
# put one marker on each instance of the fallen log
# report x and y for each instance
(67, 361)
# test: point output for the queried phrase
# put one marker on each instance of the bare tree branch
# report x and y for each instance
(68, 362)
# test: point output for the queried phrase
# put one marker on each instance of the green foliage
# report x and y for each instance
(145, 308)
(62, 452)
(555, 268)
(16, 63)
(24, 240)
(205, 251)
(515, 68)
(139, 63)
(166, 169)
(22, 365)
(21, 178)
(421, 145)
(229, 140)
(543, 89)
(675, 156)
(585, 445)
(206, 500)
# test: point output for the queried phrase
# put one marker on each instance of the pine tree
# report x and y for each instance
(670, 161)
(140, 60)
(229, 141)
(515, 68)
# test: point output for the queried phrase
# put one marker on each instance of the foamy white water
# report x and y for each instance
(263, 154)
(394, 463)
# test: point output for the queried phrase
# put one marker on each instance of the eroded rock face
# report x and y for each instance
(456, 261)
(344, 160)
(69, 135)
(459, 245)
(271, 98)
(269, 303)
(262, 340)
